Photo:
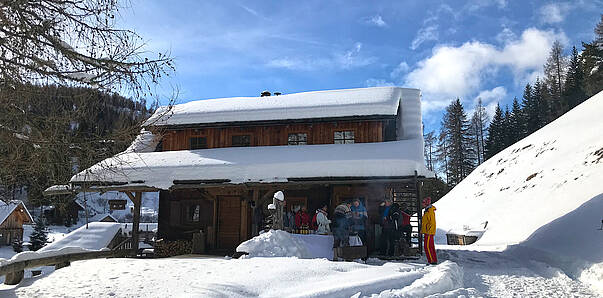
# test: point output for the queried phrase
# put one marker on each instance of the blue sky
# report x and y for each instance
(448, 49)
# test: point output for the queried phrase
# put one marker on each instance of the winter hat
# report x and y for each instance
(426, 202)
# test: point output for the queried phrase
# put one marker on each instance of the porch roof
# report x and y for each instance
(270, 164)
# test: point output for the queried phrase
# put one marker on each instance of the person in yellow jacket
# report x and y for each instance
(428, 229)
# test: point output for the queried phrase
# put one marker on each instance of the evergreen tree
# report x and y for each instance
(495, 141)
(592, 56)
(540, 95)
(530, 110)
(573, 93)
(39, 236)
(555, 72)
(516, 128)
(479, 124)
(442, 153)
(461, 152)
(507, 136)
(429, 149)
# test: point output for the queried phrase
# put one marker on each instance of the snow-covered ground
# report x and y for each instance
(482, 274)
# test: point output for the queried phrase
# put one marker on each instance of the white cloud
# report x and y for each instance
(343, 60)
(425, 34)
(553, 13)
(400, 69)
(490, 98)
(376, 20)
(460, 71)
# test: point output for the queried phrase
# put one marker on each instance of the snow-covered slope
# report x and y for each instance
(545, 191)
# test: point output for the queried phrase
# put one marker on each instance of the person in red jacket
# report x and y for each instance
(302, 219)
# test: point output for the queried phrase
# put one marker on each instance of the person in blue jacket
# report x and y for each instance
(359, 218)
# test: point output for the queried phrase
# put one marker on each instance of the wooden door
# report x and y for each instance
(229, 222)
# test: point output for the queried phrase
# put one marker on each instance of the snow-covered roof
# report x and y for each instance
(263, 164)
(7, 208)
(96, 236)
(306, 105)
(100, 217)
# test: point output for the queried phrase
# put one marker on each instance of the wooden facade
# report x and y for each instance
(277, 134)
(11, 228)
(231, 215)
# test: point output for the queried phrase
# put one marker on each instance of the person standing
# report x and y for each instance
(322, 221)
(406, 227)
(359, 217)
(341, 226)
(302, 219)
(386, 225)
(428, 229)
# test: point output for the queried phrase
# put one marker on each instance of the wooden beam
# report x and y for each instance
(136, 198)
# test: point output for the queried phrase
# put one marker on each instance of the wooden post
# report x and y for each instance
(136, 199)
(14, 278)
(419, 211)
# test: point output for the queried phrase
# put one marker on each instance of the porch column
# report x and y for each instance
(136, 199)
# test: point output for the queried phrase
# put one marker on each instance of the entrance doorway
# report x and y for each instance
(229, 222)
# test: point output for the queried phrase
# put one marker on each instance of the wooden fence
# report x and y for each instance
(14, 271)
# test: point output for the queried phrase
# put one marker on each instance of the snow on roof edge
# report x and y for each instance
(373, 101)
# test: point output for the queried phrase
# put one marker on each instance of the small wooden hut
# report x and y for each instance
(12, 217)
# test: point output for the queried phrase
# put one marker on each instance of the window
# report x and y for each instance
(297, 139)
(241, 141)
(343, 137)
(193, 213)
(198, 143)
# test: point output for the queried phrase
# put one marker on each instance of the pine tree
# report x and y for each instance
(592, 56)
(461, 152)
(479, 124)
(39, 236)
(429, 149)
(573, 93)
(555, 73)
(507, 136)
(530, 110)
(442, 152)
(496, 136)
(517, 130)
(541, 95)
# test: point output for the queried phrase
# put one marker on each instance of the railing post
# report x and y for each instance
(14, 278)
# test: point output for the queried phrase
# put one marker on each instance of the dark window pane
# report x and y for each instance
(198, 143)
(241, 141)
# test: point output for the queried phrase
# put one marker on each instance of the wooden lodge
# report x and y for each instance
(217, 163)
(12, 217)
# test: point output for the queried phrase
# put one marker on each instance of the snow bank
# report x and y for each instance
(275, 243)
(96, 237)
(445, 277)
(542, 196)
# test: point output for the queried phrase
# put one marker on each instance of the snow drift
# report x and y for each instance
(544, 192)
(277, 243)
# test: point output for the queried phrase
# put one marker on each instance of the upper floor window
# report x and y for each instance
(241, 141)
(297, 139)
(198, 143)
(343, 137)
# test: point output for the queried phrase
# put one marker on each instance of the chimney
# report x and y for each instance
(277, 93)
(265, 93)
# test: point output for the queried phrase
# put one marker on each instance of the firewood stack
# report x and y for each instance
(165, 248)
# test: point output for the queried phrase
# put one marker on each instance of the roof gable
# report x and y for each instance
(6, 209)
(306, 105)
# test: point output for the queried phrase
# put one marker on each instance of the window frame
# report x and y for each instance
(344, 139)
(297, 142)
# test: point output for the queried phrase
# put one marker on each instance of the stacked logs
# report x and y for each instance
(163, 248)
